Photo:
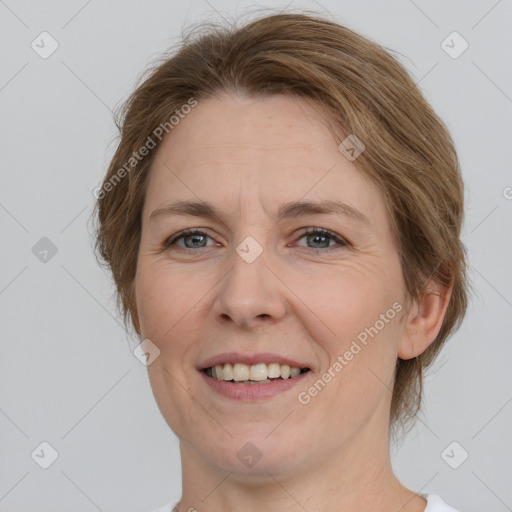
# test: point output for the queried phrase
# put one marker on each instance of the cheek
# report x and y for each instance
(162, 295)
(356, 323)
(343, 301)
(367, 330)
(360, 383)
(168, 303)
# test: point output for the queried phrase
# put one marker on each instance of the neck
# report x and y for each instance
(352, 479)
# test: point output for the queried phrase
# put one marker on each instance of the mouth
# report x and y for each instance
(253, 376)
(260, 373)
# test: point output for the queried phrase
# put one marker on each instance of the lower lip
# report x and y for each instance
(251, 392)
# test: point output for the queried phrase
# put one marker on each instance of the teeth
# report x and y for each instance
(274, 370)
(285, 371)
(240, 372)
(227, 372)
(218, 372)
(260, 372)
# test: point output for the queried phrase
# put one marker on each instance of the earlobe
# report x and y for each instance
(424, 321)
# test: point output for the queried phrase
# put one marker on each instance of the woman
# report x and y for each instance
(282, 219)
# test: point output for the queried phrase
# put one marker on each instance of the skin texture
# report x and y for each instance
(304, 297)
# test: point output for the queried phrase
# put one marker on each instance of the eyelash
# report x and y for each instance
(310, 231)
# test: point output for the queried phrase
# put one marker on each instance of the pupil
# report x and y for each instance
(316, 237)
(195, 239)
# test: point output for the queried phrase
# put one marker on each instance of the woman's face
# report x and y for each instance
(257, 283)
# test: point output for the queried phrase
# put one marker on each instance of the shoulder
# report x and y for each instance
(436, 504)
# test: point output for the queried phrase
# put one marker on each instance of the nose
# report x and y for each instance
(251, 294)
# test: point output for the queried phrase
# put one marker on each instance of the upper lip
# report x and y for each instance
(250, 358)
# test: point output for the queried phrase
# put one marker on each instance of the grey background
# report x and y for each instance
(67, 372)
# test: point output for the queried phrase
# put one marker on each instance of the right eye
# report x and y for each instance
(193, 239)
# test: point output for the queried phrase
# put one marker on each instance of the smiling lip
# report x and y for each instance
(250, 358)
(252, 392)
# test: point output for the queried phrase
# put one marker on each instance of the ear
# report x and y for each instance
(424, 320)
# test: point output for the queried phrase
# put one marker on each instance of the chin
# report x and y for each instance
(254, 452)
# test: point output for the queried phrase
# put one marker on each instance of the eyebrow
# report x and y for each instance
(287, 210)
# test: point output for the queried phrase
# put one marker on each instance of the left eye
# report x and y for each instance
(314, 235)
(195, 238)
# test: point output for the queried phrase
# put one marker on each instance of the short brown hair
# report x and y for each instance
(409, 153)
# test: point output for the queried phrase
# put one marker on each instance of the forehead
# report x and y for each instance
(234, 119)
(269, 132)
(237, 129)
(275, 148)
